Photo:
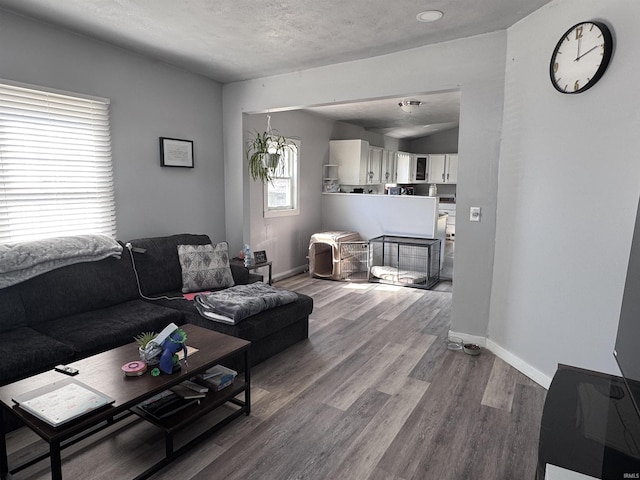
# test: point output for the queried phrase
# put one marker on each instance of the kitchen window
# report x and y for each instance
(281, 195)
(55, 164)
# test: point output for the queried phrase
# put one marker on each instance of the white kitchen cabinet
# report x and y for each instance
(420, 168)
(359, 163)
(374, 166)
(388, 166)
(452, 168)
(437, 167)
(353, 158)
(412, 168)
(404, 168)
(443, 168)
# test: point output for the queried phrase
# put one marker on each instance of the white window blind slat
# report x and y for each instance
(56, 175)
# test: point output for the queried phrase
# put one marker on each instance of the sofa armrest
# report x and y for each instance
(240, 273)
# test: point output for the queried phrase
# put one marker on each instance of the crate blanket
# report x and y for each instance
(234, 304)
(393, 274)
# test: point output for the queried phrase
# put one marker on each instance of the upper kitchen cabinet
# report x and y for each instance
(389, 166)
(452, 168)
(421, 168)
(412, 168)
(404, 167)
(443, 168)
(374, 166)
(353, 158)
(359, 163)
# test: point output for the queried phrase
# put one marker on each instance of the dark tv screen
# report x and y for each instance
(627, 348)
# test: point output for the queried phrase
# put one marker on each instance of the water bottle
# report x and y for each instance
(247, 255)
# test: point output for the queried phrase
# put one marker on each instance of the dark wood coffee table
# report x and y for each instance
(103, 373)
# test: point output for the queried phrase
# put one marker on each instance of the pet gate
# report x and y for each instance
(339, 256)
(410, 261)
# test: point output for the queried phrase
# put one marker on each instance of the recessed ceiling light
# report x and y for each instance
(429, 16)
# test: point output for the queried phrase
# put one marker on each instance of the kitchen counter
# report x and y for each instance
(375, 194)
(373, 215)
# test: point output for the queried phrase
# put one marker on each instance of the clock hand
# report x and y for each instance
(591, 49)
(579, 43)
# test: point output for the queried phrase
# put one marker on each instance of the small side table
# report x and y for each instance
(255, 266)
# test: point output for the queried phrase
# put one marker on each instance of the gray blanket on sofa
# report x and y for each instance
(234, 304)
(25, 260)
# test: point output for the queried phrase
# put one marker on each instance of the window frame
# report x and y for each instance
(295, 195)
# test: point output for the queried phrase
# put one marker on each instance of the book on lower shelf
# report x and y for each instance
(195, 386)
(216, 378)
(187, 393)
(165, 404)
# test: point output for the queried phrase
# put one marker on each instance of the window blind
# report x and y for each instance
(56, 174)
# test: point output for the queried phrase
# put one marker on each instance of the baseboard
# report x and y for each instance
(519, 364)
(466, 338)
(290, 273)
(513, 360)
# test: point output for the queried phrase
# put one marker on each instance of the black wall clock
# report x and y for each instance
(581, 57)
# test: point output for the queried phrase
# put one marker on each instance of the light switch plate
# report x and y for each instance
(474, 214)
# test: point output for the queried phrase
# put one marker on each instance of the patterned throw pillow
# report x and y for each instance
(205, 267)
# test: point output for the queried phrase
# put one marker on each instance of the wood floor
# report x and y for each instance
(374, 394)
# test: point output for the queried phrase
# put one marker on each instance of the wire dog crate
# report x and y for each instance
(409, 261)
(354, 261)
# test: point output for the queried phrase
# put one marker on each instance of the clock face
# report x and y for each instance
(581, 57)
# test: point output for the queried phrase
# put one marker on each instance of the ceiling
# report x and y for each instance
(437, 112)
(234, 40)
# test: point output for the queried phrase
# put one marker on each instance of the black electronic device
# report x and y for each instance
(590, 426)
(67, 370)
(627, 347)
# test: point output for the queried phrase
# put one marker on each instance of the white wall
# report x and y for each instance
(568, 192)
(148, 100)
(475, 66)
(375, 215)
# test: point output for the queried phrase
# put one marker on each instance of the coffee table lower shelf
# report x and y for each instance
(102, 372)
(190, 414)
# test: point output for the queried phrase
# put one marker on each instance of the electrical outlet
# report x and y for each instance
(474, 214)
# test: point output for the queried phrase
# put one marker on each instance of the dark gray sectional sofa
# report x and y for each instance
(85, 308)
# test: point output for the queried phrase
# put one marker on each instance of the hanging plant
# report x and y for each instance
(265, 151)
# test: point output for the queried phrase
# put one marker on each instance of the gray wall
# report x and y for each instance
(475, 66)
(443, 142)
(568, 192)
(559, 222)
(286, 239)
(148, 100)
(347, 131)
(541, 276)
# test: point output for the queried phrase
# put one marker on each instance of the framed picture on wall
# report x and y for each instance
(260, 256)
(176, 153)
